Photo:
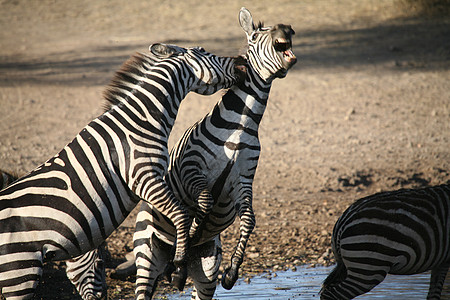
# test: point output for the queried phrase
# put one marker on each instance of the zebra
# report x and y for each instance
(70, 204)
(399, 232)
(211, 171)
(86, 272)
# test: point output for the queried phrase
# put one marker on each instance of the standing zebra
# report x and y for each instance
(73, 202)
(212, 169)
(401, 232)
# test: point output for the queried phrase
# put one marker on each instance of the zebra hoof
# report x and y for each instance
(170, 268)
(124, 270)
(229, 278)
(179, 277)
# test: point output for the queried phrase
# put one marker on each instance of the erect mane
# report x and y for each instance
(136, 64)
(260, 25)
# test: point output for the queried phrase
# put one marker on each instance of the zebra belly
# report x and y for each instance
(152, 221)
(217, 221)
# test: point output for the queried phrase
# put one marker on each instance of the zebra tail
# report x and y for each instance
(338, 274)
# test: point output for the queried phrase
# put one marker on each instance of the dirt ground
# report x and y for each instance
(365, 109)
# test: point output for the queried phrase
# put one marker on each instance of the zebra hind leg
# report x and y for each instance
(355, 282)
(179, 277)
(176, 271)
(152, 256)
(336, 276)
(437, 280)
(203, 268)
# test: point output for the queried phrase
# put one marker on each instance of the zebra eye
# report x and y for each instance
(281, 46)
(254, 36)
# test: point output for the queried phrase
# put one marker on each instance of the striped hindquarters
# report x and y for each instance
(401, 232)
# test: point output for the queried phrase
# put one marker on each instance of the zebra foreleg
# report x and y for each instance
(20, 275)
(437, 280)
(247, 224)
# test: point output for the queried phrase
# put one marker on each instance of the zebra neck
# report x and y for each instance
(254, 91)
(155, 98)
(245, 103)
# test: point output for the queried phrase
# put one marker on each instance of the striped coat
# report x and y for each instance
(70, 204)
(212, 169)
(399, 232)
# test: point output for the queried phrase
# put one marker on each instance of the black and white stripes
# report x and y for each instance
(212, 169)
(71, 204)
(87, 273)
(399, 232)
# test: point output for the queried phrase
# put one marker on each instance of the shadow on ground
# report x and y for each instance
(414, 43)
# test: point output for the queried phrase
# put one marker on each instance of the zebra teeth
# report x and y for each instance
(289, 56)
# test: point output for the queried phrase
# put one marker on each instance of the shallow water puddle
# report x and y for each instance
(305, 283)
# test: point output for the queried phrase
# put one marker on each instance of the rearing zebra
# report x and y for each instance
(86, 272)
(401, 232)
(212, 169)
(72, 203)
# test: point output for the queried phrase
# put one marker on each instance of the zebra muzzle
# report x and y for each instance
(289, 56)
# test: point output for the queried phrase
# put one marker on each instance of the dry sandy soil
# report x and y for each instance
(366, 108)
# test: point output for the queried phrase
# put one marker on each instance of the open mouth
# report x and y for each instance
(285, 47)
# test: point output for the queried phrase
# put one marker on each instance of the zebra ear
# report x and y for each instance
(292, 30)
(163, 50)
(246, 21)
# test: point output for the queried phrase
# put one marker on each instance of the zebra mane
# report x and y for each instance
(259, 26)
(136, 64)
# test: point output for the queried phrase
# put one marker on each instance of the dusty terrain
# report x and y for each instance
(366, 108)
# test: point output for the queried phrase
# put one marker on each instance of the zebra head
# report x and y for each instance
(210, 72)
(269, 48)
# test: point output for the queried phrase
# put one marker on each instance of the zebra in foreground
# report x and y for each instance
(212, 169)
(400, 232)
(86, 272)
(73, 202)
